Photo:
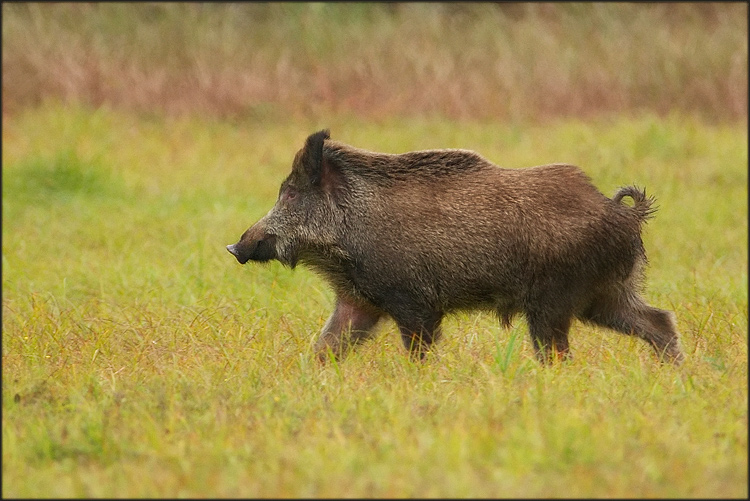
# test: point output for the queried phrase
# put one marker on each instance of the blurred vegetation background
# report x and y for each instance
(500, 61)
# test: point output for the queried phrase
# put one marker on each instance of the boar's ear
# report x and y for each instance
(312, 156)
(321, 171)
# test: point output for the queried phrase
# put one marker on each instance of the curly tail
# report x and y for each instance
(643, 205)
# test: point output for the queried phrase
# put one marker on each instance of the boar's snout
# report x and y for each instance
(251, 247)
(233, 249)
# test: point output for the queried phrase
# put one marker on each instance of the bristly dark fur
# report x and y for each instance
(418, 235)
(405, 166)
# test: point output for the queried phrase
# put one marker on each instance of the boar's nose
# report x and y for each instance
(236, 253)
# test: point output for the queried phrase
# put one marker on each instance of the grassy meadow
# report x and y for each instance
(139, 359)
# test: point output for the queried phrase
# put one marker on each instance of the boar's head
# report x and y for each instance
(305, 220)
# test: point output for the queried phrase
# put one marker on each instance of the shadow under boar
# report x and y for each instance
(417, 235)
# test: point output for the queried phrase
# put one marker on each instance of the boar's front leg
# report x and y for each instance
(350, 324)
(419, 332)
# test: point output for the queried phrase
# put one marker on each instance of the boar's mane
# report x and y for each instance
(385, 167)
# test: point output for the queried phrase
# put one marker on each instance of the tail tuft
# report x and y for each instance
(644, 206)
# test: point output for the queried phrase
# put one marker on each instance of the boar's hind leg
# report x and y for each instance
(418, 333)
(350, 324)
(549, 334)
(629, 314)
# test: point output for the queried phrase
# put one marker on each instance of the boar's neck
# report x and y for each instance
(337, 267)
(331, 262)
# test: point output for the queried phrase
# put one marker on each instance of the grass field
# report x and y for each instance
(140, 360)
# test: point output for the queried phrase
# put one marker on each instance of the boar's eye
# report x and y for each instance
(289, 194)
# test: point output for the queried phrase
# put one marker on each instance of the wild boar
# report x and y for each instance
(417, 235)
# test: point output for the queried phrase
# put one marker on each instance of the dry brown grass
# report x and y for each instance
(500, 61)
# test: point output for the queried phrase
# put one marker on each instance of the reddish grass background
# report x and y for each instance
(480, 61)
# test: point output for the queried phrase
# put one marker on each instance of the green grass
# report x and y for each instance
(140, 360)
